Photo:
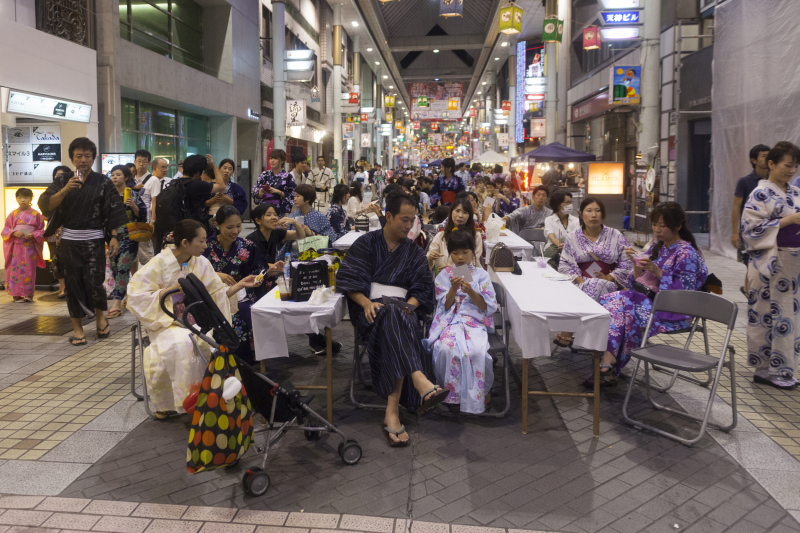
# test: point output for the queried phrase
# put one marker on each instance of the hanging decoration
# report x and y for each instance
(452, 104)
(591, 38)
(398, 124)
(366, 140)
(416, 125)
(295, 113)
(506, 107)
(353, 98)
(422, 101)
(434, 126)
(552, 29)
(364, 117)
(388, 100)
(510, 19)
(451, 8)
(388, 117)
(314, 94)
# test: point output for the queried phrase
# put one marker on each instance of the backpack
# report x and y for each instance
(172, 206)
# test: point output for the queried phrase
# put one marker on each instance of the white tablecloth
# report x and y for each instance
(518, 245)
(537, 305)
(273, 319)
(347, 240)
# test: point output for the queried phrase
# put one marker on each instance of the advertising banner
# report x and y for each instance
(625, 85)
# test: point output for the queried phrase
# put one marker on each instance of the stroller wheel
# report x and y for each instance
(255, 481)
(350, 452)
(312, 435)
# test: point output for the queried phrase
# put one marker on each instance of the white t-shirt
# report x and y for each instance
(143, 192)
(362, 176)
(552, 224)
(152, 188)
(425, 199)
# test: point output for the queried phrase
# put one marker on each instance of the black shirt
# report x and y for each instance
(197, 192)
(269, 248)
(745, 186)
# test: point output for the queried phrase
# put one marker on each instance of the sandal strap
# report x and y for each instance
(396, 432)
(606, 365)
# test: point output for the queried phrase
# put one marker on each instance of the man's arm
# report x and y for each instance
(735, 215)
(219, 183)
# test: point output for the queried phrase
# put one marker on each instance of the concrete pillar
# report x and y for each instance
(278, 89)
(565, 14)
(650, 113)
(337, 92)
(551, 91)
(512, 96)
(378, 115)
(490, 97)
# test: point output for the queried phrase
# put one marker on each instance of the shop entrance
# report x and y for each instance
(697, 196)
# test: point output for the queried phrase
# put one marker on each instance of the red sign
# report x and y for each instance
(473, 113)
(506, 107)
(364, 117)
(589, 108)
(416, 125)
(353, 98)
(591, 38)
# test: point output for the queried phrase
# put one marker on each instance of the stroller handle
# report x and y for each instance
(182, 320)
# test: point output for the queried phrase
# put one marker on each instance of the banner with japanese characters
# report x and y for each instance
(32, 152)
(295, 113)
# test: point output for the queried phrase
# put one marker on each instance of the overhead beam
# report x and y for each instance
(429, 74)
(489, 45)
(436, 42)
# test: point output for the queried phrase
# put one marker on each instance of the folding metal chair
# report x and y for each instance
(533, 235)
(696, 304)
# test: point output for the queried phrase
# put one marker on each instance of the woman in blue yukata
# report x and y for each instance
(275, 186)
(315, 222)
(771, 232)
(235, 258)
(458, 337)
(336, 213)
(673, 263)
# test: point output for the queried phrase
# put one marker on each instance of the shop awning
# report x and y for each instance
(558, 153)
(491, 157)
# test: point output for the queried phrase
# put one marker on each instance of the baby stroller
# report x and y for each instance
(282, 405)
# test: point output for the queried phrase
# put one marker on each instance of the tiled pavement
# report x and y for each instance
(467, 472)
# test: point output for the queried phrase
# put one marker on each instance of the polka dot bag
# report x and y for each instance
(221, 431)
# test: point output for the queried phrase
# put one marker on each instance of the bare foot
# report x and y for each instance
(392, 421)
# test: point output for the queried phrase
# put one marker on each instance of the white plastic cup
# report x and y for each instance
(541, 262)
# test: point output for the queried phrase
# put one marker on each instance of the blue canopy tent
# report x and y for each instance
(435, 163)
(558, 153)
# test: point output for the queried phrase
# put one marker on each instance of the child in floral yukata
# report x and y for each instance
(23, 238)
(458, 339)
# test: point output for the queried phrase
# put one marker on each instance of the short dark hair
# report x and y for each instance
(498, 169)
(396, 201)
(261, 210)
(782, 149)
(440, 214)
(279, 154)
(460, 239)
(540, 188)
(560, 167)
(225, 212)
(186, 229)
(233, 164)
(131, 165)
(24, 192)
(392, 188)
(143, 153)
(60, 168)
(755, 151)
(320, 157)
(126, 173)
(194, 165)
(307, 192)
(489, 182)
(339, 192)
(448, 162)
(298, 158)
(82, 143)
(557, 199)
(499, 183)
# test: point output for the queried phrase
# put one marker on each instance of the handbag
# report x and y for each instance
(362, 223)
(222, 431)
(502, 258)
(139, 231)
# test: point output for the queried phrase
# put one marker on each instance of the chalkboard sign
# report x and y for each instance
(307, 276)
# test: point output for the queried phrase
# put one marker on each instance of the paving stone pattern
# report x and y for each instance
(464, 471)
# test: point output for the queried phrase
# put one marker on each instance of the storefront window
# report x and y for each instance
(164, 132)
(173, 28)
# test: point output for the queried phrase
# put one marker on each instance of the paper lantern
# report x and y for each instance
(353, 98)
(388, 117)
(552, 29)
(510, 19)
(506, 107)
(416, 125)
(591, 38)
(364, 117)
(451, 8)
(388, 100)
(398, 124)
(452, 104)
(422, 101)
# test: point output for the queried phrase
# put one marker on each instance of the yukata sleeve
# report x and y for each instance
(38, 240)
(483, 286)
(44, 199)
(688, 272)
(624, 271)
(568, 264)
(113, 209)
(355, 272)
(759, 228)
(260, 182)
(218, 290)
(143, 296)
(436, 193)
(239, 198)
(8, 229)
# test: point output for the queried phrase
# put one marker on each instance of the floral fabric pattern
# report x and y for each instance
(608, 248)
(283, 181)
(122, 262)
(459, 341)
(683, 270)
(338, 221)
(442, 184)
(22, 255)
(504, 208)
(773, 308)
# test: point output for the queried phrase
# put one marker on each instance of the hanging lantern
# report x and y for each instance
(552, 29)
(388, 100)
(398, 125)
(452, 104)
(422, 101)
(416, 125)
(364, 117)
(388, 117)
(353, 98)
(434, 126)
(591, 38)
(451, 8)
(506, 107)
(510, 19)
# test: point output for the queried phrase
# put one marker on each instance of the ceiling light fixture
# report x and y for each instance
(386, 77)
(479, 92)
(435, 51)
(355, 23)
(497, 59)
(484, 83)
(377, 62)
(392, 87)
(503, 44)
(369, 49)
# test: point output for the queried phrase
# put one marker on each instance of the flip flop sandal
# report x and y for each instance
(114, 313)
(77, 341)
(61, 296)
(435, 396)
(607, 379)
(27, 300)
(559, 341)
(388, 432)
(107, 330)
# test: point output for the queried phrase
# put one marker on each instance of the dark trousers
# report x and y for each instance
(84, 267)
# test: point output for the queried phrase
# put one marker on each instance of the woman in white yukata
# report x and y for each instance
(594, 255)
(168, 358)
(458, 338)
(771, 232)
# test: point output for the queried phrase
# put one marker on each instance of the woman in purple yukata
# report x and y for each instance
(594, 255)
(673, 263)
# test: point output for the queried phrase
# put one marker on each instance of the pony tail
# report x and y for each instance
(687, 235)
(656, 250)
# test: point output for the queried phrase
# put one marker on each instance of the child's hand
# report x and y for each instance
(466, 288)
(17, 234)
(28, 236)
(455, 283)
